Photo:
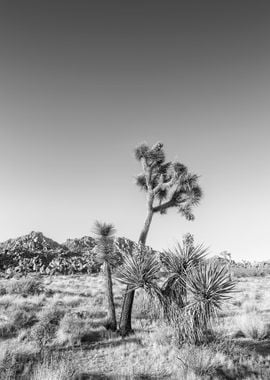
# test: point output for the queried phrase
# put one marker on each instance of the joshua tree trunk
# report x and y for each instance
(146, 227)
(111, 321)
(125, 319)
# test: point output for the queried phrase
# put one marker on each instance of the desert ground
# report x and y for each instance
(51, 327)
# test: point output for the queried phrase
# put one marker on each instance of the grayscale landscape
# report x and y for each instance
(134, 190)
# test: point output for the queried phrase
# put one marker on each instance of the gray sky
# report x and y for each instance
(82, 83)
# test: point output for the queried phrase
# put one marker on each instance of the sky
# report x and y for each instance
(82, 83)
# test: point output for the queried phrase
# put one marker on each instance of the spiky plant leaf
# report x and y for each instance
(211, 284)
(141, 151)
(183, 257)
(104, 249)
(156, 154)
(186, 212)
(177, 263)
(140, 270)
(180, 169)
(141, 181)
(103, 230)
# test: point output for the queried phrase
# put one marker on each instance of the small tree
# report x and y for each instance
(104, 250)
(167, 185)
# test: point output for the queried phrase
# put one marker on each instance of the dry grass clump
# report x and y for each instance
(16, 359)
(201, 361)
(145, 307)
(3, 290)
(18, 318)
(53, 370)
(250, 325)
(25, 286)
(222, 360)
(76, 330)
(6, 329)
(66, 300)
(44, 330)
(162, 334)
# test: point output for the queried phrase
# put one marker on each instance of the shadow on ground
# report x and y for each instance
(261, 347)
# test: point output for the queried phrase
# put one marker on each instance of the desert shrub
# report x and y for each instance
(18, 318)
(201, 361)
(16, 359)
(241, 271)
(25, 286)
(249, 306)
(74, 329)
(23, 318)
(250, 325)
(67, 301)
(6, 329)
(3, 291)
(162, 335)
(52, 370)
(44, 330)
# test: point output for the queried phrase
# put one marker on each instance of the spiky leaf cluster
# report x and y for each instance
(169, 184)
(140, 269)
(104, 237)
(210, 284)
(177, 264)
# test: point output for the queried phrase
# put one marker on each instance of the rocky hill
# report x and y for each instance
(33, 242)
(82, 244)
(35, 252)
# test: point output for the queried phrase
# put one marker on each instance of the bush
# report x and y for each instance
(251, 325)
(201, 361)
(75, 330)
(52, 370)
(3, 291)
(44, 330)
(19, 318)
(25, 286)
(15, 360)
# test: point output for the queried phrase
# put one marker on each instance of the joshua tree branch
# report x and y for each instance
(164, 206)
(159, 185)
(170, 203)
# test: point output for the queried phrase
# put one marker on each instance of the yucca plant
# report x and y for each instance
(208, 285)
(191, 294)
(140, 269)
(104, 250)
(177, 264)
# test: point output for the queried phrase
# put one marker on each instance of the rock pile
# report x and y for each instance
(36, 253)
(86, 243)
(35, 241)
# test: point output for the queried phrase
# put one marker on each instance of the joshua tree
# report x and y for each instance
(104, 250)
(167, 185)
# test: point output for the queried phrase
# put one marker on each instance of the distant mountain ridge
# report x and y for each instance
(37, 242)
(34, 241)
(80, 244)
(37, 253)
